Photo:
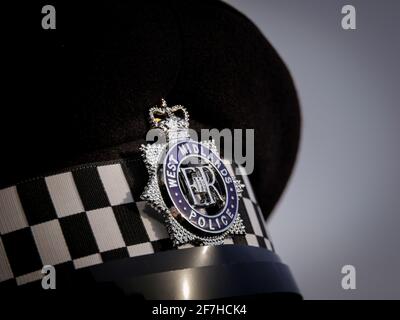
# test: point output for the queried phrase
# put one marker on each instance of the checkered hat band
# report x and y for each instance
(89, 215)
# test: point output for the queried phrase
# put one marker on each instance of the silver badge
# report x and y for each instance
(189, 184)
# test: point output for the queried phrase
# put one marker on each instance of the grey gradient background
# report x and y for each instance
(342, 204)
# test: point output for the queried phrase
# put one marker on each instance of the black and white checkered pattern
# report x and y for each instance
(90, 215)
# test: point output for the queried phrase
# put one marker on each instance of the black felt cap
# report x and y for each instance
(81, 93)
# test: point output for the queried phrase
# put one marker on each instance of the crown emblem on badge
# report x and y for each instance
(189, 184)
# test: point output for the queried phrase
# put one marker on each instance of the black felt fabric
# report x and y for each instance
(81, 93)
